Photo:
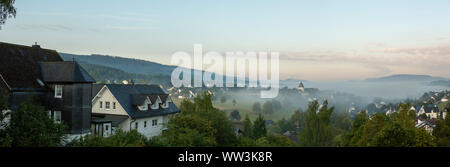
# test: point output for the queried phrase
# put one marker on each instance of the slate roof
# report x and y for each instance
(424, 123)
(19, 65)
(68, 71)
(139, 99)
(126, 95)
(431, 107)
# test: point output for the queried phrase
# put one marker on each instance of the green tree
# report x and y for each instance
(202, 111)
(279, 141)
(190, 131)
(318, 130)
(267, 108)
(298, 119)
(7, 10)
(424, 139)
(284, 125)
(30, 125)
(353, 137)
(223, 99)
(234, 115)
(442, 132)
(276, 105)
(259, 127)
(120, 139)
(247, 127)
(256, 108)
(394, 135)
(371, 129)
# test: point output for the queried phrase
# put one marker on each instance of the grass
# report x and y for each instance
(442, 105)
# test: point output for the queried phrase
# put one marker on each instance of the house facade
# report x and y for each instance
(431, 111)
(63, 88)
(146, 108)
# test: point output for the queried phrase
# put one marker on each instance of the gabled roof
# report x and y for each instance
(68, 71)
(424, 123)
(138, 99)
(127, 96)
(19, 65)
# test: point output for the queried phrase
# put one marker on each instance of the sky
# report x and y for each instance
(325, 40)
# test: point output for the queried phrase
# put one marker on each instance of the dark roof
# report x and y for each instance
(126, 94)
(269, 122)
(19, 65)
(105, 118)
(65, 71)
(153, 98)
(431, 107)
(138, 99)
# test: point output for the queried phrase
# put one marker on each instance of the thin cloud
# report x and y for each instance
(134, 18)
(430, 60)
(132, 27)
(48, 27)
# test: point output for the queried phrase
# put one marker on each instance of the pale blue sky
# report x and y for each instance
(319, 40)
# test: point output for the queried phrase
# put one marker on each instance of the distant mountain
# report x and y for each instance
(404, 78)
(103, 74)
(441, 83)
(129, 65)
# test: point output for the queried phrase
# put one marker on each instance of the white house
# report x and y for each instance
(146, 108)
(430, 110)
(444, 99)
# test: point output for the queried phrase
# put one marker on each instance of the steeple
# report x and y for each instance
(301, 88)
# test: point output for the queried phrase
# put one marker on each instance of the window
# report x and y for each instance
(106, 127)
(101, 104)
(145, 124)
(57, 116)
(58, 91)
(136, 125)
(155, 106)
(154, 122)
(114, 105)
(107, 105)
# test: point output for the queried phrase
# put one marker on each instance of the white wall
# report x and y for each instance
(106, 96)
(149, 130)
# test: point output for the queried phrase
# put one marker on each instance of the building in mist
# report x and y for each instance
(301, 88)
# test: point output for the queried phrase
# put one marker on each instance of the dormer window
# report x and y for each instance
(58, 91)
(155, 106)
